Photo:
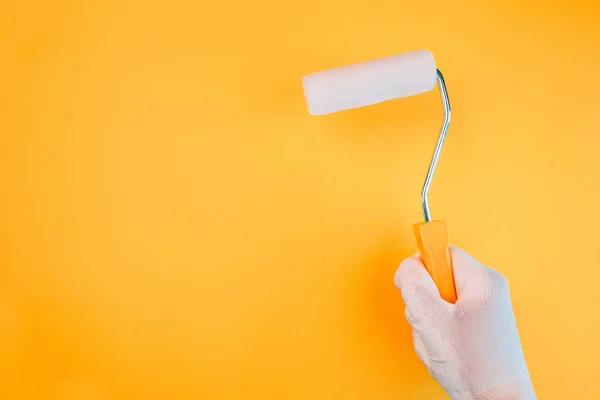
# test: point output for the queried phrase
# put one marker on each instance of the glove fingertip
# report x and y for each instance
(411, 273)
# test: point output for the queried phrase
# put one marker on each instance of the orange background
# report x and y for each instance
(174, 225)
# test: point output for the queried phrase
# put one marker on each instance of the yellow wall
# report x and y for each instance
(174, 225)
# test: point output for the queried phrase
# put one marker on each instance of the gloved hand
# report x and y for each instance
(472, 348)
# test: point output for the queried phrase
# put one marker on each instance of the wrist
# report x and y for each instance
(513, 389)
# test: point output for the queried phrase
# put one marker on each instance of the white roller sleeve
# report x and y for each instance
(370, 82)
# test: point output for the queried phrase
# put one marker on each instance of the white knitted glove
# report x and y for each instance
(472, 348)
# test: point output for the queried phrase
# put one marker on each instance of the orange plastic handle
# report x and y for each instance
(432, 239)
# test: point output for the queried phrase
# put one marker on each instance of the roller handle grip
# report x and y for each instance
(432, 240)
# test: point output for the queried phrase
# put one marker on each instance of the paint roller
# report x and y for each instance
(380, 80)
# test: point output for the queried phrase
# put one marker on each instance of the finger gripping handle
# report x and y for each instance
(432, 240)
